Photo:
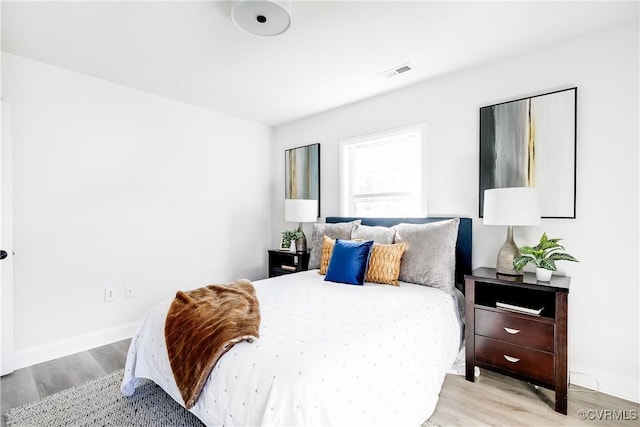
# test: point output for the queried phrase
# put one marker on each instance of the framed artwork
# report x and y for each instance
(531, 142)
(302, 173)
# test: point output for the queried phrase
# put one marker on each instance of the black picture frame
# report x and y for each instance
(532, 142)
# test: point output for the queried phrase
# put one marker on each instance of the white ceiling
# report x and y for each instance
(331, 55)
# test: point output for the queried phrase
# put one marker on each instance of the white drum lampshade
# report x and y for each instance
(510, 206)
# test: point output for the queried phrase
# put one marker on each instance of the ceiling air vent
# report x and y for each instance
(400, 69)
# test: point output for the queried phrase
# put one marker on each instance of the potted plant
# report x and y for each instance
(289, 238)
(544, 256)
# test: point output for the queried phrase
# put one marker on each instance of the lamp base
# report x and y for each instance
(507, 253)
(301, 242)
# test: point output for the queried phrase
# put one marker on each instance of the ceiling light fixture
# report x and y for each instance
(262, 17)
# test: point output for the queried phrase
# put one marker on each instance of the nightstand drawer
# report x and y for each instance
(535, 364)
(523, 330)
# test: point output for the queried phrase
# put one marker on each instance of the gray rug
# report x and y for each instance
(100, 403)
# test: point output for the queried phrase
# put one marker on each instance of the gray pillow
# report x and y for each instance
(340, 230)
(382, 235)
(430, 257)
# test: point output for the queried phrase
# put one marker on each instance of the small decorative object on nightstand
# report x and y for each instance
(544, 256)
(518, 328)
(285, 262)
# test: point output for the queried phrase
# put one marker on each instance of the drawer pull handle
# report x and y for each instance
(511, 359)
(512, 331)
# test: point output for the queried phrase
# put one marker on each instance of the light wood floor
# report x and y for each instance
(497, 400)
(493, 400)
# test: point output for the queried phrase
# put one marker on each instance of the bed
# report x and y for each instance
(328, 353)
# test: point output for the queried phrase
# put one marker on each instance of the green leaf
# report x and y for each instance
(549, 245)
(548, 264)
(561, 256)
(527, 250)
(521, 261)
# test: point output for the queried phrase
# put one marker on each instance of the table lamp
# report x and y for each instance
(301, 210)
(510, 206)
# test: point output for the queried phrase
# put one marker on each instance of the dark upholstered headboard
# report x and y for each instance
(463, 245)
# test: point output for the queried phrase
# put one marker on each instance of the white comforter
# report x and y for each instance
(328, 354)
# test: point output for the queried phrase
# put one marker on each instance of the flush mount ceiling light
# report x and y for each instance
(262, 17)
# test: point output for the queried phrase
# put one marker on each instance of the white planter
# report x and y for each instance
(292, 248)
(543, 274)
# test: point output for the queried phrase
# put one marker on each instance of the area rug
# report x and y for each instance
(100, 403)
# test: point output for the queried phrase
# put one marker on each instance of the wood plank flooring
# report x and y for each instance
(493, 400)
(497, 400)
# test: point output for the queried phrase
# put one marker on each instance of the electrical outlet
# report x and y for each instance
(129, 291)
(109, 294)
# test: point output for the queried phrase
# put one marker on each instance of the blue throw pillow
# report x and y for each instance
(349, 261)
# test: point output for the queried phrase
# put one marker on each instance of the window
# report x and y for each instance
(381, 174)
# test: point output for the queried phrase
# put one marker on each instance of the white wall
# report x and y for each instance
(114, 186)
(604, 298)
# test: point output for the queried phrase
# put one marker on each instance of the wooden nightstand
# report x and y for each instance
(530, 347)
(285, 262)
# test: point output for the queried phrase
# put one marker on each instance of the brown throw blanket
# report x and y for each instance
(202, 325)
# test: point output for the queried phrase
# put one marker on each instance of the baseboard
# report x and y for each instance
(54, 350)
(605, 382)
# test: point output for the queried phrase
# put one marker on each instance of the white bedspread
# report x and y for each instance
(328, 354)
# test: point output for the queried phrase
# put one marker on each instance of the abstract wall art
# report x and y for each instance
(531, 142)
(302, 173)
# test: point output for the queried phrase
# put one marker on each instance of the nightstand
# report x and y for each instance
(518, 328)
(285, 262)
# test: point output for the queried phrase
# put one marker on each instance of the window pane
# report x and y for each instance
(382, 176)
(387, 166)
(386, 206)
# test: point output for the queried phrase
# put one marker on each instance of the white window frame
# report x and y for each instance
(345, 197)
